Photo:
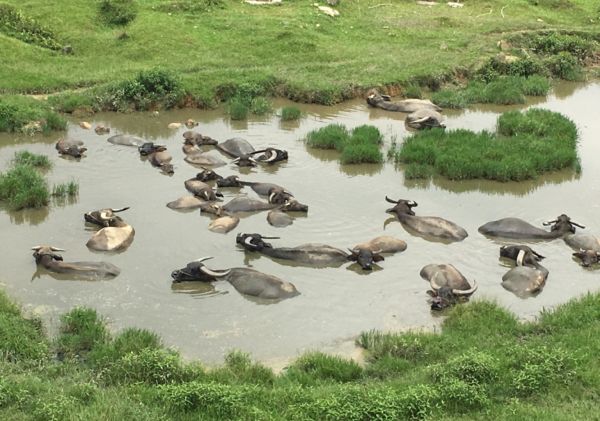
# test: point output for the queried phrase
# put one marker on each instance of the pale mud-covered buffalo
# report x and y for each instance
(518, 229)
(47, 257)
(204, 159)
(528, 277)
(186, 202)
(101, 129)
(427, 226)
(224, 224)
(425, 118)
(279, 219)
(127, 140)
(246, 281)
(201, 189)
(70, 147)
(383, 244)
(377, 100)
(198, 139)
(115, 233)
(587, 248)
(448, 285)
(311, 254)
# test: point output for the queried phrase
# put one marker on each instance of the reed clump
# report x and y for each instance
(22, 186)
(361, 145)
(525, 145)
(290, 113)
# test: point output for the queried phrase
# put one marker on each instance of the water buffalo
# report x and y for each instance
(186, 202)
(448, 285)
(383, 244)
(207, 175)
(587, 248)
(201, 189)
(518, 229)
(49, 259)
(127, 140)
(524, 281)
(224, 224)
(115, 234)
(312, 254)
(236, 147)
(100, 129)
(230, 181)
(198, 139)
(278, 218)
(521, 255)
(424, 118)
(69, 147)
(375, 99)
(263, 189)
(271, 155)
(246, 204)
(204, 159)
(246, 281)
(158, 156)
(428, 226)
(587, 257)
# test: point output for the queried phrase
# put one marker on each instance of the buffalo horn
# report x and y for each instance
(353, 251)
(248, 241)
(549, 222)
(576, 224)
(36, 248)
(434, 285)
(57, 249)
(235, 160)
(271, 197)
(465, 291)
(216, 274)
(202, 259)
(261, 151)
(120, 209)
(270, 238)
(272, 155)
(412, 203)
(387, 199)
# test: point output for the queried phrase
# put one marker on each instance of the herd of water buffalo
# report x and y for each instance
(447, 284)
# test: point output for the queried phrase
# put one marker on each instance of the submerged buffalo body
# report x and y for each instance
(224, 224)
(70, 147)
(425, 118)
(587, 248)
(236, 147)
(448, 285)
(428, 226)
(518, 229)
(115, 233)
(524, 281)
(127, 140)
(375, 99)
(47, 257)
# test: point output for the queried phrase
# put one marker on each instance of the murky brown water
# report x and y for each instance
(346, 207)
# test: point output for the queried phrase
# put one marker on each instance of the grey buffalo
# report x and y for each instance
(158, 156)
(311, 254)
(198, 139)
(518, 229)
(201, 189)
(69, 147)
(246, 281)
(47, 257)
(377, 100)
(427, 226)
(115, 233)
(528, 277)
(126, 140)
(448, 285)
(587, 248)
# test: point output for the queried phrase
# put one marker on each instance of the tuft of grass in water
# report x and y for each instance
(260, 106)
(413, 91)
(361, 153)
(418, 171)
(70, 189)
(237, 109)
(81, 330)
(290, 113)
(526, 144)
(333, 136)
(35, 160)
(28, 115)
(316, 366)
(23, 187)
(536, 86)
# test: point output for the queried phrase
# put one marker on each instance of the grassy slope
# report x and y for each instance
(366, 46)
(483, 365)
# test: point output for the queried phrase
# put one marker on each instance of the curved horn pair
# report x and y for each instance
(465, 291)
(36, 248)
(387, 199)
(576, 224)
(215, 273)
(202, 259)
(119, 209)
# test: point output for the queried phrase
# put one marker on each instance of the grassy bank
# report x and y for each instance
(525, 145)
(293, 50)
(483, 365)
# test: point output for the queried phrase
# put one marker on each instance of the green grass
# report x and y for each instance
(28, 115)
(70, 189)
(238, 110)
(290, 113)
(359, 146)
(482, 364)
(526, 144)
(22, 186)
(35, 160)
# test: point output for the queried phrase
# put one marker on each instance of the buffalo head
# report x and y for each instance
(279, 196)
(74, 151)
(197, 271)
(149, 148)
(196, 138)
(207, 175)
(254, 242)
(213, 208)
(403, 207)
(230, 181)
(104, 217)
(245, 161)
(587, 257)
(522, 255)
(562, 224)
(292, 205)
(39, 252)
(365, 257)
(271, 155)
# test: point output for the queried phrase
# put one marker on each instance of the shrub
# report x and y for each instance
(117, 12)
(564, 66)
(290, 113)
(459, 396)
(419, 402)
(14, 24)
(23, 187)
(522, 67)
(333, 136)
(315, 366)
(54, 408)
(556, 43)
(35, 160)
(239, 369)
(28, 115)
(80, 331)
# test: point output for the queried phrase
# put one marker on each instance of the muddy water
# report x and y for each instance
(346, 207)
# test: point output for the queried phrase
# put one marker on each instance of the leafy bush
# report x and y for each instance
(14, 24)
(290, 113)
(523, 67)
(564, 66)
(27, 115)
(419, 402)
(460, 396)
(54, 408)
(316, 366)
(117, 12)
(23, 187)
(80, 331)
(556, 43)
(538, 367)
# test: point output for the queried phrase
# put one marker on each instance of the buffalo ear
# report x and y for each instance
(431, 293)
(377, 257)
(353, 256)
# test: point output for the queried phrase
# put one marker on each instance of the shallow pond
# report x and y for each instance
(347, 206)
